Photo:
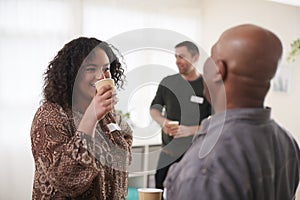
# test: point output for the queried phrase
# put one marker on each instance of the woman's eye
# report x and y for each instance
(105, 69)
(91, 69)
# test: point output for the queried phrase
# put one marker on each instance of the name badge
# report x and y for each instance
(196, 99)
(112, 127)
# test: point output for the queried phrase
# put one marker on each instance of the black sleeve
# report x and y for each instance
(158, 101)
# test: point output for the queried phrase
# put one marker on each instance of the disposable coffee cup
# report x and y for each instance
(150, 193)
(105, 81)
(173, 124)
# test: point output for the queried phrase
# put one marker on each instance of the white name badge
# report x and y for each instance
(112, 127)
(196, 99)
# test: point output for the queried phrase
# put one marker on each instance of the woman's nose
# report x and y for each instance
(99, 74)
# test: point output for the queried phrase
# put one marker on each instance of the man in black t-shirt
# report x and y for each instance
(179, 97)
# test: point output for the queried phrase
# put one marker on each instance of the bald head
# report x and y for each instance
(247, 57)
(250, 51)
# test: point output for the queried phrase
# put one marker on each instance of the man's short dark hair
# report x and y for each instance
(192, 48)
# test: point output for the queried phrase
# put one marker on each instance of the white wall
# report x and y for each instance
(31, 32)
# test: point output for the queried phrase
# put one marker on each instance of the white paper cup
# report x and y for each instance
(150, 193)
(173, 124)
(102, 82)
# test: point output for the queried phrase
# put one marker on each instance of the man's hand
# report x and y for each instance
(184, 131)
(170, 129)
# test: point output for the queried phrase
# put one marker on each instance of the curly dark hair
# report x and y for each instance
(61, 72)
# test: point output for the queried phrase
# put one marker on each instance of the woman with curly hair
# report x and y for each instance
(81, 146)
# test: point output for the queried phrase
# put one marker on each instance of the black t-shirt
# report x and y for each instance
(183, 101)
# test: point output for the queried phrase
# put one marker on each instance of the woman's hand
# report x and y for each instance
(104, 101)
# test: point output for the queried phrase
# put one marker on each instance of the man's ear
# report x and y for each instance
(196, 58)
(221, 71)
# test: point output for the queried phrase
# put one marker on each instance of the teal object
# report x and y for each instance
(132, 194)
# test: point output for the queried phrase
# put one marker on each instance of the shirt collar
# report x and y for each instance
(214, 122)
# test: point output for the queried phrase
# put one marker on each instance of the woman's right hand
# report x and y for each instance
(104, 101)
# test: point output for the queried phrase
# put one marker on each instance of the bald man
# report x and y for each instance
(240, 152)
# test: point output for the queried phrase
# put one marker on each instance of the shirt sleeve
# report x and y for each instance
(127, 132)
(66, 161)
(158, 101)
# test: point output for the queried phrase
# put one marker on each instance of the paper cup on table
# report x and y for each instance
(106, 81)
(150, 193)
(173, 124)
